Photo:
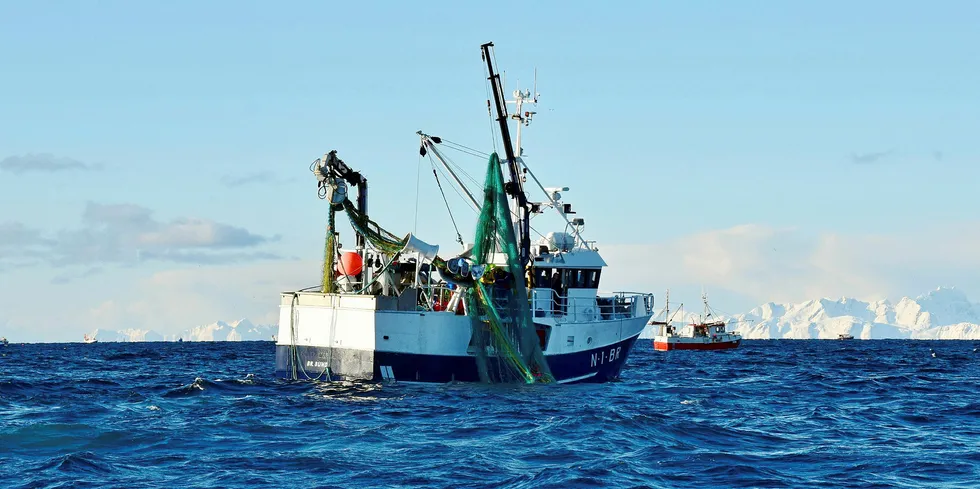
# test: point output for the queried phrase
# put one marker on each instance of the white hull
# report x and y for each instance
(355, 334)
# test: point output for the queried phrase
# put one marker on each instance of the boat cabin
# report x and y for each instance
(704, 329)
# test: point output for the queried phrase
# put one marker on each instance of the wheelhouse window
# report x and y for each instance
(570, 278)
(591, 279)
(542, 277)
(579, 278)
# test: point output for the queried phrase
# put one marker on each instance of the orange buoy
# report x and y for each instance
(350, 263)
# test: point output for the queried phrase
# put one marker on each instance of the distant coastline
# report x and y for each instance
(941, 314)
(944, 313)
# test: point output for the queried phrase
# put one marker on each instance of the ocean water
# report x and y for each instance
(769, 414)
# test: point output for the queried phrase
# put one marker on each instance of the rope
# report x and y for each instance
(465, 149)
(465, 199)
(459, 237)
(294, 348)
(293, 338)
(461, 170)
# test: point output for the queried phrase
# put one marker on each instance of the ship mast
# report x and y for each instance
(704, 299)
(666, 325)
(515, 187)
(523, 117)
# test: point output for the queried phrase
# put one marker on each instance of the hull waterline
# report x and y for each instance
(600, 364)
(718, 345)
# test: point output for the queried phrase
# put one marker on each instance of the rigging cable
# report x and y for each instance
(460, 169)
(459, 237)
(493, 132)
(469, 151)
(464, 149)
(449, 162)
(470, 206)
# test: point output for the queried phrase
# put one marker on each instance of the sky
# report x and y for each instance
(154, 156)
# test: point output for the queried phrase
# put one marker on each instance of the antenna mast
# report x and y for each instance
(516, 186)
(704, 298)
(522, 116)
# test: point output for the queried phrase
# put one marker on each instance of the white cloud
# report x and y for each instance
(189, 233)
(740, 267)
(763, 263)
(173, 300)
(43, 162)
(166, 301)
(238, 179)
(127, 234)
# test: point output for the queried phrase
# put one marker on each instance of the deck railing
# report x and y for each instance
(545, 302)
(618, 305)
(548, 303)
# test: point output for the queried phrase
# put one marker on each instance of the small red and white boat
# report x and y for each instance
(706, 334)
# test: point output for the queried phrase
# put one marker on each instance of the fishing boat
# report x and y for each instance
(706, 333)
(392, 308)
(89, 339)
(845, 336)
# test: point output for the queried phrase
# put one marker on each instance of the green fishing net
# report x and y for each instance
(381, 239)
(507, 346)
(503, 333)
(327, 284)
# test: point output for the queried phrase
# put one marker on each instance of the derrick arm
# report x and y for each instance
(332, 166)
(515, 186)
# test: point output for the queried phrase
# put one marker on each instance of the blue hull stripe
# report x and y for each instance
(323, 363)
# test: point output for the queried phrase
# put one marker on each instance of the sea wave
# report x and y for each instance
(769, 414)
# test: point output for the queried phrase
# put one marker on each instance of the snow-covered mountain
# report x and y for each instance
(125, 335)
(240, 330)
(944, 313)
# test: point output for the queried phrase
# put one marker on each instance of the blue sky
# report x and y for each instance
(696, 137)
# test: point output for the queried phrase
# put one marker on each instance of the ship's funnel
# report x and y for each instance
(414, 244)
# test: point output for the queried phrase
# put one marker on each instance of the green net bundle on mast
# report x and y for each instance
(507, 345)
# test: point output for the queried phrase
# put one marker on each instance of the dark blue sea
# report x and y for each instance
(770, 414)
